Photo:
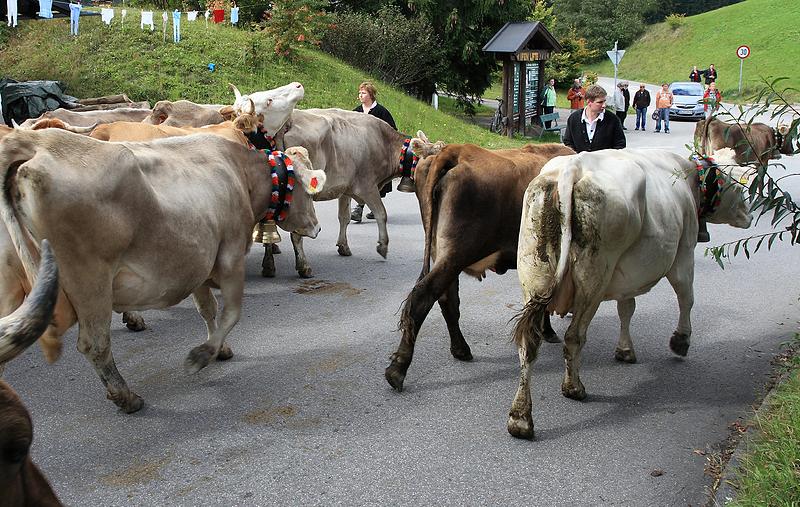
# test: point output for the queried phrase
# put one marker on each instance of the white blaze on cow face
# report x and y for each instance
(274, 105)
(303, 219)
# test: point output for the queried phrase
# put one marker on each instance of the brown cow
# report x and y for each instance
(470, 199)
(21, 482)
(755, 142)
(131, 131)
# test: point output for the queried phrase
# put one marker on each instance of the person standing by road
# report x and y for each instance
(369, 105)
(626, 95)
(695, 75)
(711, 74)
(641, 101)
(591, 129)
(549, 99)
(575, 95)
(711, 99)
(663, 104)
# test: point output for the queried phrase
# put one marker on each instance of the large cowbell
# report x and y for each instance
(266, 232)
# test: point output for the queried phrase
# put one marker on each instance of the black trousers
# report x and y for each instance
(548, 110)
(622, 115)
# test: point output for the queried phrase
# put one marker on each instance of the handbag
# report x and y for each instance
(654, 115)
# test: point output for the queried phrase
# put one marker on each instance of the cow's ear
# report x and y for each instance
(162, 118)
(783, 129)
(313, 181)
(421, 135)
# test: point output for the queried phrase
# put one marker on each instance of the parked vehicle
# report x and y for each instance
(687, 100)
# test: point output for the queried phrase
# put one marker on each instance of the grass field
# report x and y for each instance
(108, 60)
(771, 28)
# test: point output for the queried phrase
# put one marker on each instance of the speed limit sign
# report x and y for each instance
(743, 52)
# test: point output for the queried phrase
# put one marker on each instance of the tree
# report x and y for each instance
(767, 193)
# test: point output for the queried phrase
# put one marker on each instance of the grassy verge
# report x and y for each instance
(108, 60)
(770, 472)
(768, 27)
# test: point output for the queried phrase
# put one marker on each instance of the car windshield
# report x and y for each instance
(688, 89)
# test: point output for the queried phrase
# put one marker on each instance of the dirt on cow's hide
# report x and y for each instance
(326, 287)
(587, 202)
(550, 222)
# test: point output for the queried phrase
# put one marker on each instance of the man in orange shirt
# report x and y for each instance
(663, 104)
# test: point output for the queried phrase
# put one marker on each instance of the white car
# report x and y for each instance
(687, 100)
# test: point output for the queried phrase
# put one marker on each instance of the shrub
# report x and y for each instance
(400, 51)
(565, 65)
(676, 21)
(293, 23)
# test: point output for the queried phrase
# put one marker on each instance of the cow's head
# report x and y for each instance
(784, 139)
(161, 112)
(55, 123)
(423, 148)
(733, 208)
(275, 106)
(302, 218)
(248, 121)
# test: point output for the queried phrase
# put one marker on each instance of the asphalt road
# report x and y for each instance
(303, 416)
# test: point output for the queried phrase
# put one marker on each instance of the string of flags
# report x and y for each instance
(107, 15)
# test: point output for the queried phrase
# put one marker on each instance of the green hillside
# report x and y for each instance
(109, 60)
(771, 28)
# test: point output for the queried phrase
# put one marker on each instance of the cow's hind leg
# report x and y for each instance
(574, 340)
(300, 261)
(373, 200)
(206, 305)
(416, 308)
(449, 303)
(624, 351)
(344, 220)
(681, 277)
(133, 321)
(520, 417)
(231, 284)
(94, 342)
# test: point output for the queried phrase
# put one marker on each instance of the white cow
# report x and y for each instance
(122, 250)
(602, 226)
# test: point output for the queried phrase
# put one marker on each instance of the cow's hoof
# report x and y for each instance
(305, 273)
(198, 358)
(625, 355)
(133, 321)
(551, 337)
(520, 426)
(275, 248)
(268, 272)
(344, 250)
(679, 344)
(129, 402)
(395, 377)
(383, 250)
(573, 392)
(461, 353)
(224, 353)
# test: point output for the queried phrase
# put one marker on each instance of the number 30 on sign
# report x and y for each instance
(743, 52)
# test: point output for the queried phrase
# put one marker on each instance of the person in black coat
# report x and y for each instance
(590, 128)
(366, 95)
(641, 101)
(711, 74)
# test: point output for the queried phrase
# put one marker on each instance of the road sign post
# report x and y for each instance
(615, 56)
(742, 52)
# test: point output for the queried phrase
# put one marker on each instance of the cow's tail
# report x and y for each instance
(23, 327)
(445, 160)
(532, 324)
(14, 153)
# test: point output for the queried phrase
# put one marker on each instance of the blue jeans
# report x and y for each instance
(641, 113)
(663, 113)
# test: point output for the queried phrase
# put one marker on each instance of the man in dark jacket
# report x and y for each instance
(641, 101)
(590, 128)
(711, 74)
(626, 96)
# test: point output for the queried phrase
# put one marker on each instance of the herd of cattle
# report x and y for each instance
(108, 196)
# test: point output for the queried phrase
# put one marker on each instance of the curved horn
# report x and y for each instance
(252, 106)
(15, 124)
(235, 91)
(23, 327)
(82, 130)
